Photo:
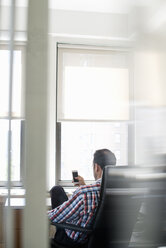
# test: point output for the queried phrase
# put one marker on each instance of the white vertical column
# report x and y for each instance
(35, 218)
(0, 16)
(51, 112)
(9, 217)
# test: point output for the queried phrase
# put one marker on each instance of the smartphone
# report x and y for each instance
(75, 174)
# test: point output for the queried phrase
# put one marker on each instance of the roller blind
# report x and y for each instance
(4, 83)
(92, 85)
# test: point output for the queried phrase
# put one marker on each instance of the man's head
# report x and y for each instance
(102, 158)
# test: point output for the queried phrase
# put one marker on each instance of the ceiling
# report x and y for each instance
(103, 6)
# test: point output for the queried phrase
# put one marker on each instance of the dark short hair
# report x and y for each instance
(104, 157)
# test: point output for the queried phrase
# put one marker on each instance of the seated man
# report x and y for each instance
(80, 208)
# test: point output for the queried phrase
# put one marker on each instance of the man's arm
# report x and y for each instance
(69, 210)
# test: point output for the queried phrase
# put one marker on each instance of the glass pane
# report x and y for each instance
(15, 150)
(3, 149)
(17, 84)
(79, 140)
(16, 153)
(4, 83)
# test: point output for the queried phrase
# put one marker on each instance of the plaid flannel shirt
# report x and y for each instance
(79, 209)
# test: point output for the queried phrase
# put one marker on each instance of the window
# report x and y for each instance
(16, 115)
(92, 108)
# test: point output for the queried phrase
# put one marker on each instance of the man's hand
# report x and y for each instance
(80, 181)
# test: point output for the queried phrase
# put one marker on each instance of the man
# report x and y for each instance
(80, 208)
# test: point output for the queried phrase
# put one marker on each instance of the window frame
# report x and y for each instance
(131, 123)
(20, 46)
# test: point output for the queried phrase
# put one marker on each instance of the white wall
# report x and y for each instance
(87, 23)
(73, 22)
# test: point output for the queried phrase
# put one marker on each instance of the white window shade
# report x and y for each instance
(4, 83)
(92, 85)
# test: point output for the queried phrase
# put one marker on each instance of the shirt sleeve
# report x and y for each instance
(69, 210)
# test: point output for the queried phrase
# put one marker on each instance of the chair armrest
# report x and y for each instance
(72, 227)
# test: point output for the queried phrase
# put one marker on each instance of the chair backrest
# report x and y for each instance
(117, 211)
(151, 231)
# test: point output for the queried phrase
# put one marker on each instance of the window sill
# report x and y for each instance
(69, 184)
(13, 191)
(18, 202)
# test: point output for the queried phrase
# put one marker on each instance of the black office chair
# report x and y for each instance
(116, 214)
(150, 231)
